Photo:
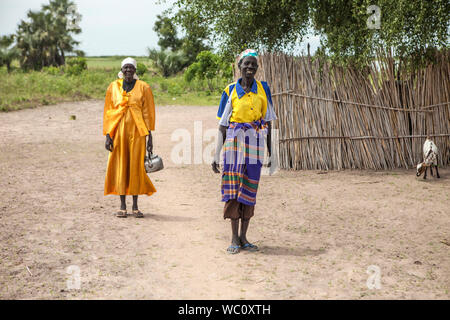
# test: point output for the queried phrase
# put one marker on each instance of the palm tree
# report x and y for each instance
(8, 52)
(47, 36)
(168, 62)
(62, 12)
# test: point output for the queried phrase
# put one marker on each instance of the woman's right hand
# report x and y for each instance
(214, 166)
(109, 143)
(221, 135)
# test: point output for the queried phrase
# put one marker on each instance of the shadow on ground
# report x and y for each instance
(286, 251)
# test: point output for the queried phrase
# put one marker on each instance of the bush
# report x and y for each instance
(53, 70)
(75, 66)
(141, 69)
(210, 67)
(164, 86)
(191, 72)
(176, 88)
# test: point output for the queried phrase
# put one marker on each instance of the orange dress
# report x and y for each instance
(128, 117)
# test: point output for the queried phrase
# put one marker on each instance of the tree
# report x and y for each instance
(44, 39)
(196, 36)
(167, 33)
(191, 44)
(410, 27)
(238, 24)
(7, 51)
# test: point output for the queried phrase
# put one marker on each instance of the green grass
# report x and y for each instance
(112, 62)
(19, 90)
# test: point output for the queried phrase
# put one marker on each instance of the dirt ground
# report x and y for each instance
(319, 234)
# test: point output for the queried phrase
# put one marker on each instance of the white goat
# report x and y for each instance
(430, 152)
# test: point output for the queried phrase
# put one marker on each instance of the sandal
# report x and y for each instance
(233, 249)
(249, 247)
(138, 214)
(121, 214)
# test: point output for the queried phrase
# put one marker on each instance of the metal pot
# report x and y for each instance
(153, 164)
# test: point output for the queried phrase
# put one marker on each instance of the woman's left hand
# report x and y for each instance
(150, 143)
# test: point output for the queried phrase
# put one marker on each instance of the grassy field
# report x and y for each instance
(20, 90)
(112, 62)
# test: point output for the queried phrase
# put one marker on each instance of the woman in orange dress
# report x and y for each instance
(128, 117)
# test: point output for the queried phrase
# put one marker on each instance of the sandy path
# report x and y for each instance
(318, 233)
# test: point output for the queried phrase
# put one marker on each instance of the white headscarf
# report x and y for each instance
(128, 61)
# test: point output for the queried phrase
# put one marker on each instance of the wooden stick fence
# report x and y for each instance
(359, 104)
(371, 118)
(365, 137)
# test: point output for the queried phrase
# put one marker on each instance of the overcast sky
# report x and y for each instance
(109, 27)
